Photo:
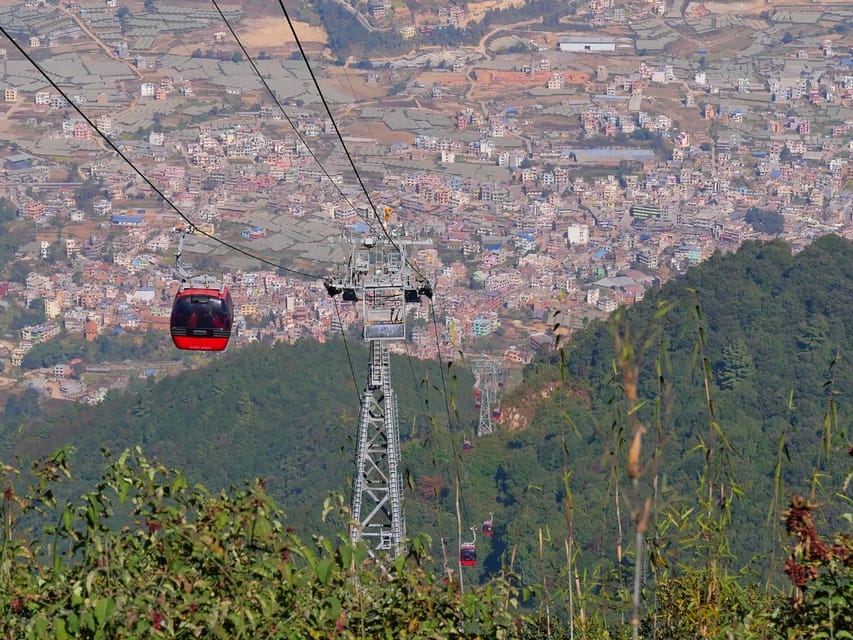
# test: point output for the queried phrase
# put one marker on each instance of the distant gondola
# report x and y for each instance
(468, 555)
(468, 552)
(489, 526)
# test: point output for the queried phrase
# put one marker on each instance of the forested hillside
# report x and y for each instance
(684, 424)
(770, 333)
(286, 414)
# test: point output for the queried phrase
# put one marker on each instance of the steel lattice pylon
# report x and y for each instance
(488, 376)
(378, 276)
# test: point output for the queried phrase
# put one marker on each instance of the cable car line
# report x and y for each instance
(346, 347)
(298, 133)
(331, 117)
(382, 223)
(141, 174)
(461, 506)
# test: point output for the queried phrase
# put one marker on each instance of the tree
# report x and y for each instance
(87, 193)
(736, 366)
(769, 222)
(7, 211)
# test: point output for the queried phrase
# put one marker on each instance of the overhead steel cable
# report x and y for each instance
(142, 175)
(340, 137)
(298, 133)
(453, 445)
(307, 147)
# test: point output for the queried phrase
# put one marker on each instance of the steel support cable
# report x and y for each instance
(311, 153)
(460, 500)
(408, 355)
(141, 174)
(384, 169)
(384, 229)
(346, 347)
(283, 112)
(303, 141)
(378, 217)
(356, 173)
(434, 458)
(341, 139)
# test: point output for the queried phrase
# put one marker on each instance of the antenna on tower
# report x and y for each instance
(379, 277)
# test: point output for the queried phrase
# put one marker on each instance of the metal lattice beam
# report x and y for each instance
(488, 376)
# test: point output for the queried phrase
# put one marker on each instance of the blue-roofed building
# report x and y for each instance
(125, 220)
(525, 242)
(254, 233)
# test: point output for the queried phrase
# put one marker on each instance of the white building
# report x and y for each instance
(586, 43)
(578, 234)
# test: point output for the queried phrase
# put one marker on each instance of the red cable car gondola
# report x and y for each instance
(467, 445)
(202, 312)
(201, 317)
(468, 552)
(488, 526)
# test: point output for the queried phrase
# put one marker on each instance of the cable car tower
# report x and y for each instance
(489, 378)
(378, 276)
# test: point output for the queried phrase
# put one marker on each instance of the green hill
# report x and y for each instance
(743, 394)
(286, 414)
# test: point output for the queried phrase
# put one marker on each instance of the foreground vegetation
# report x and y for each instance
(145, 555)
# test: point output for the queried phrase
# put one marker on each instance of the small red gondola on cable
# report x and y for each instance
(202, 312)
(467, 445)
(468, 552)
(488, 526)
